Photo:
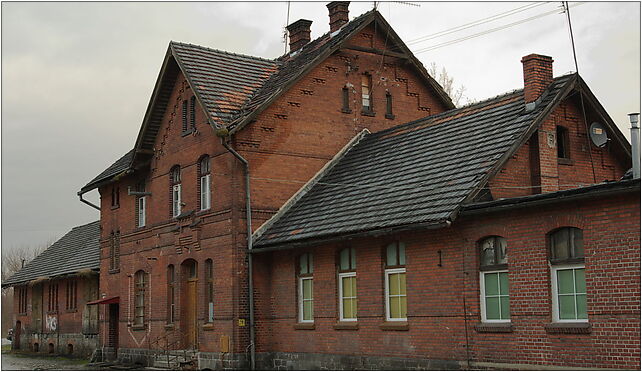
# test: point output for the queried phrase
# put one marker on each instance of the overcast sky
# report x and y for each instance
(77, 77)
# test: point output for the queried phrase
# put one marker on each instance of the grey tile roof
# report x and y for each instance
(224, 81)
(117, 167)
(419, 172)
(79, 249)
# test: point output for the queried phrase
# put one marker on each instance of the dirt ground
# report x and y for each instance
(28, 362)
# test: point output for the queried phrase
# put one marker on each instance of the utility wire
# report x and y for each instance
(588, 141)
(474, 23)
(455, 41)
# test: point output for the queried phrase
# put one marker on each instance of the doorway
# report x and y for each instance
(16, 335)
(189, 275)
(112, 334)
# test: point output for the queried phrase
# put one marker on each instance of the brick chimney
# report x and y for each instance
(338, 14)
(538, 75)
(299, 33)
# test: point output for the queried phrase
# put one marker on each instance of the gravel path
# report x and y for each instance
(26, 362)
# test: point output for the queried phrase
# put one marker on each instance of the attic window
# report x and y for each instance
(389, 114)
(192, 112)
(562, 143)
(185, 116)
(366, 93)
(345, 97)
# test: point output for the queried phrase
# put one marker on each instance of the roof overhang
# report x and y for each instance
(105, 301)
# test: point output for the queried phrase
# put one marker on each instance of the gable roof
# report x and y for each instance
(121, 165)
(78, 250)
(233, 88)
(416, 173)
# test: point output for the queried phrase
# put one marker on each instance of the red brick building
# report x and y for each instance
(370, 199)
(51, 294)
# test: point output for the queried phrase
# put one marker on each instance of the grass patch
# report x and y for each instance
(6, 348)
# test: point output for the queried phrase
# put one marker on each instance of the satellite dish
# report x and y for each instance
(597, 132)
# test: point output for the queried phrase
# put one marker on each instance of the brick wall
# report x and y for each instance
(290, 141)
(61, 327)
(436, 294)
(536, 168)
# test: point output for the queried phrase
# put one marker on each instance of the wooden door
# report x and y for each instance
(190, 316)
(16, 335)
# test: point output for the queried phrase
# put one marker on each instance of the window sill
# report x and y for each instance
(568, 328)
(564, 161)
(494, 327)
(52, 312)
(208, 327)
(169, 327)
(71, 310)
(139, 327)
(368, 113)
(115, 207)
(341, 326)
(346, 111)
(114, 271)
(394, 326)
(188, 132)
(390, 116)
(304, 326)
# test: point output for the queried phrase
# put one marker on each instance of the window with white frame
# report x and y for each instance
(568, 279)
(493, 280)
(366, 92)
(175, 180)
(395, 282)
(347, 285)
(306, 290)
(140, 205)
(205, 194)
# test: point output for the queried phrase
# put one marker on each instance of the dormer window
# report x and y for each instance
(175, 182)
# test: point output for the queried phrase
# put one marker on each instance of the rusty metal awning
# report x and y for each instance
(104, 301)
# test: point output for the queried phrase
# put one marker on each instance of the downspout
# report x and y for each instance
(248, 210)
(80, 194)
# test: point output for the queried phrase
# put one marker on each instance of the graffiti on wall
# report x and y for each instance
(52, 322)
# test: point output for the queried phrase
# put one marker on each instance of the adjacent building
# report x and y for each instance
(51, 294)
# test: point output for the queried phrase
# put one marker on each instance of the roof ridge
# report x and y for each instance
(223, 51)
(465, 107)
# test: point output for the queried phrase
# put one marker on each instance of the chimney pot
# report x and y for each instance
(299, 33)
(538, 75)
(338, 11)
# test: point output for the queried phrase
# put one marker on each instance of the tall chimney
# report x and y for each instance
(635, 143)
(299, 33)
(538, 75)
(338, 14)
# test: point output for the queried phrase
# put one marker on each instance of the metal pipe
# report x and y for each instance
(87, 202)
(635, 143)
(248, 211)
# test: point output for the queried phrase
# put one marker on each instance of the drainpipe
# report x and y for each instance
(635, 143)
(248, 210)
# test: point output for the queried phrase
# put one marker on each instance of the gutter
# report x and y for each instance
(613, 188)
(248, 210)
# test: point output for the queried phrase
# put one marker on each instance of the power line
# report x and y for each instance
(455, 41)
(474, 23)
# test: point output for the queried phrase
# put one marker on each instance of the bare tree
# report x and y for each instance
(447, 82)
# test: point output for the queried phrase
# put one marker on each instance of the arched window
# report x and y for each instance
(345, 100)
(395, 282)
(493, 280)
(209, 282)
(140, 287)
(347, 266)
(204, 181)
(366, 93)
(175, 191)
(568, 281)
(389, 114)
(171, 294)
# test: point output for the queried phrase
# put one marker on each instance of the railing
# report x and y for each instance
(165, 348)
